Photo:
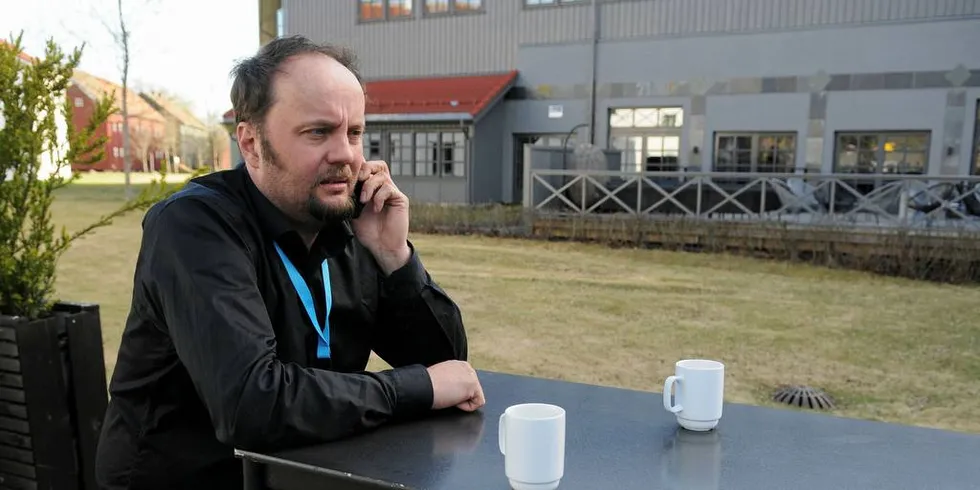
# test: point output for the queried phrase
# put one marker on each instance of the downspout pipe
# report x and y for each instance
(595, 68)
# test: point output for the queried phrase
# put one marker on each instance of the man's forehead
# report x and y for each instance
(315, 77)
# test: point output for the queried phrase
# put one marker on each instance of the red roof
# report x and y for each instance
(463, 94)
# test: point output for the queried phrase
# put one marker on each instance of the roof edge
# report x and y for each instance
(497, 97)
(421, 117)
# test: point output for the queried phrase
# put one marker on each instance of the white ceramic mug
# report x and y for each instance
(532, 440)
(699, 392)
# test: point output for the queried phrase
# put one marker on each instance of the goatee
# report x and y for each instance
(330, 214)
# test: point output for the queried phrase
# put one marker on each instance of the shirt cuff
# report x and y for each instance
(407, 281)
(413, 391)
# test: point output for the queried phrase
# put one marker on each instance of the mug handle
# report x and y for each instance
(668, 384)
(501, 433)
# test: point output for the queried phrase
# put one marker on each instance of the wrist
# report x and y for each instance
(390, 261)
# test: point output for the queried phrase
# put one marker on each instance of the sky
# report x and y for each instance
(186, 47)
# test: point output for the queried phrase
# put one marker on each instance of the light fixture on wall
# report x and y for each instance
(695, 150)
(950, 150)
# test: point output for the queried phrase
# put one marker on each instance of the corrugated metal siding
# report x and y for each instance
(488, 42)
(650, 18)
(477, 43)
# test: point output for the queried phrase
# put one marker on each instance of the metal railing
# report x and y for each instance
(938, 203)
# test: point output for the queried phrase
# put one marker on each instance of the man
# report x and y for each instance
(258, 299)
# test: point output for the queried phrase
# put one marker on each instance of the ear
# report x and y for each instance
(248, 141)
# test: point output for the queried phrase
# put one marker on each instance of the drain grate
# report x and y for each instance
(804, 396)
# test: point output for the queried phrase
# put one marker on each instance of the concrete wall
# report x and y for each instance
(487, 158)
(433, 190)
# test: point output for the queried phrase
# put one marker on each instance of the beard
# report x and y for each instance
(314, 208)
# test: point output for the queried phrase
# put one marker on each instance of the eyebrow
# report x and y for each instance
(319, 123)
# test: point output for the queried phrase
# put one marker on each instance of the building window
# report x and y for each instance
(885, 152)
(648, 153)
(372, 145)
(649, 137)
(79, 102)
(453, 154)
(440, 154)
(372, 9)
(647, 117)
(400, 153)
(467, 5)
(420, 153)
(755, 152)
(441, 7)
(426, 154)
(437, 6)
(398, 9)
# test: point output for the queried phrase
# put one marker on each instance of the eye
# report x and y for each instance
(319, 131)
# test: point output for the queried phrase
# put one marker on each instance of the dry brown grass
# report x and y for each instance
(886, 348)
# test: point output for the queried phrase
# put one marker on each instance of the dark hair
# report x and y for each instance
(251, 92)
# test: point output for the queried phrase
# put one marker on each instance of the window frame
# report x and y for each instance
(386, 12)
(452, 10)
(645, 132)
(659, 127)
(755, 149)
(879, 151)
(409, 160)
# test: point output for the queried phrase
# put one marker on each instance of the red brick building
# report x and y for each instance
(147, 127)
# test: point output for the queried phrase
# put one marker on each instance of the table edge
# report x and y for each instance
(343, 475)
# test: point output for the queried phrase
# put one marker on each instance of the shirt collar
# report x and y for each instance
(276, 227)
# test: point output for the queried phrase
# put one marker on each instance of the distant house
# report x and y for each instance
(187, 144)
(54, 153)
(228, 121)
(147, 127)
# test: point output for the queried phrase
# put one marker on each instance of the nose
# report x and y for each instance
(340, 151)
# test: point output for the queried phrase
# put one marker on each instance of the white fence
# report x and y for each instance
(936, 203)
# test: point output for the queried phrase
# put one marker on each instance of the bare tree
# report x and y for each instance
(146, 141)
(218, 142)
(123, 40)
(121, 32)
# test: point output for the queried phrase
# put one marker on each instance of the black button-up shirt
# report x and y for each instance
(218, 351)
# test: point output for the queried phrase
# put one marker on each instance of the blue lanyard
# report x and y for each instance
(323, 343)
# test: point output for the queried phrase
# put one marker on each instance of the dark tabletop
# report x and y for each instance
(623, 439)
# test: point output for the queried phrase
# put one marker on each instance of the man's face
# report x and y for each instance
(308, 149)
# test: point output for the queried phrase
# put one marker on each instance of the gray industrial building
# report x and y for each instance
(458, 87)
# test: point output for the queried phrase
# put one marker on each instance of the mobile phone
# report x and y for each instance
(358, 205)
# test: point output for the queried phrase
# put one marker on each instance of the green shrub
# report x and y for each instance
(37, 142)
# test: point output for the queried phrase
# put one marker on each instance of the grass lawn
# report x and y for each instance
(886, 349)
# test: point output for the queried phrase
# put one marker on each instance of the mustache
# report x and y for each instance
(334, 174)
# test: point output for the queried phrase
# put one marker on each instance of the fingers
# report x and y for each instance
(474, 402)
(378, 186)
(372, 167)
(371, 185)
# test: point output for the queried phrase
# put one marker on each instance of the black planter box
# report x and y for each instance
(52, 399)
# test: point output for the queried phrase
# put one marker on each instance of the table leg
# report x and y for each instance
(254, 474)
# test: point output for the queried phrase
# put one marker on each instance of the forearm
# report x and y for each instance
(418, 322)
(283, 405)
